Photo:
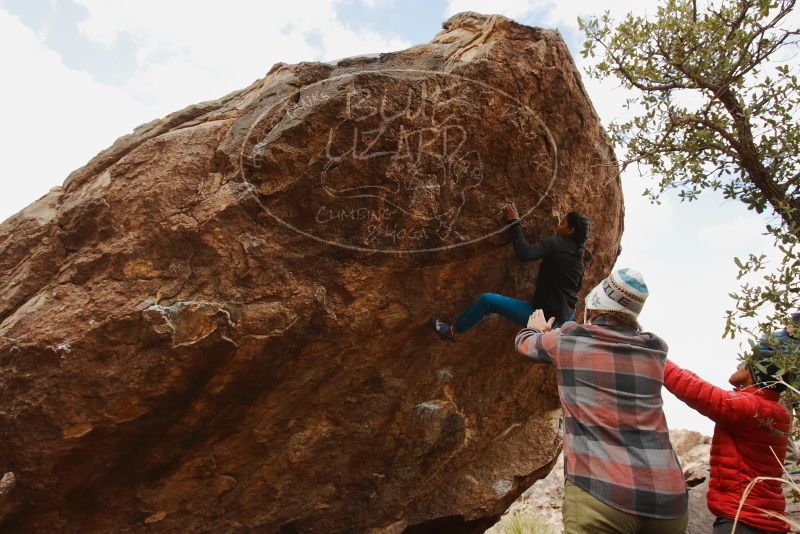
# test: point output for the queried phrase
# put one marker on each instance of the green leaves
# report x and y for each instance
(733, 141)
(715, 106)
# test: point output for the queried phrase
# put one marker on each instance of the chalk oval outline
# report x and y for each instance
(385, 72)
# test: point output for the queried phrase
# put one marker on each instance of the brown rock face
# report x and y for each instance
(218, 324)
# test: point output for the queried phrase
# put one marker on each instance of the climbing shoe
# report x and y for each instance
(444, 330)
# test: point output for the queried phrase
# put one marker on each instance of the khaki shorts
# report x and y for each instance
(585, 514)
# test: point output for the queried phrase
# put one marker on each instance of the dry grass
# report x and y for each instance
(523, 523)
(789, 481)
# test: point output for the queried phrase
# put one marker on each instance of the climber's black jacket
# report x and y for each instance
(560, 273)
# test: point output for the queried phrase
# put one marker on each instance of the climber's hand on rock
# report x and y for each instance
(538, 322)
(510, 212)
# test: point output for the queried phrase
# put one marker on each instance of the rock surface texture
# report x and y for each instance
(219, 323)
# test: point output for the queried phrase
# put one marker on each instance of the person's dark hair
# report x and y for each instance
(766, 379)
(764, 373)
(582, 226)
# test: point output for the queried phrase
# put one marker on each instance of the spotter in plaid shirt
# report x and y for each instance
(616, 442)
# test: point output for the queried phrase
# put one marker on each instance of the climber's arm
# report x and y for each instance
(525, 251)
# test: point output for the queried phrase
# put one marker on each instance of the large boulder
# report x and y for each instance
(219, 323)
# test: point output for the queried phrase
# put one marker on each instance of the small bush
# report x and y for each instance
(523, 523)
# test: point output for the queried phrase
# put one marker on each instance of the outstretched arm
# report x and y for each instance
(719, 405)
(538, 346)
(525, 251)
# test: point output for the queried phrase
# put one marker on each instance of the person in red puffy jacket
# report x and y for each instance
(750, 440)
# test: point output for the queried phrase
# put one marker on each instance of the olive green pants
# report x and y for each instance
(584, 514)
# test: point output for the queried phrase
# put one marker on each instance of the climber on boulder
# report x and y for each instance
(750, 436)
(560, 277)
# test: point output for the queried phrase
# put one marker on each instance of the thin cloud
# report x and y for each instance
(56, 118)
(186, 52)
(191, 51)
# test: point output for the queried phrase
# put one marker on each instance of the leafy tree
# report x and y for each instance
(715, 106)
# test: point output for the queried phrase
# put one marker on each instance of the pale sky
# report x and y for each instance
(80, 73)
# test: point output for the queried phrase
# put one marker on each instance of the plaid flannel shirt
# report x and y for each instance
(616, 441)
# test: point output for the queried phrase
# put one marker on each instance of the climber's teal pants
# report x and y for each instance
(512, 309)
